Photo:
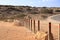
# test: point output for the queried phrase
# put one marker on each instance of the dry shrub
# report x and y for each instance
(18, 24)
(41, 36)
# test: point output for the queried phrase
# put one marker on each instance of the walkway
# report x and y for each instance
(10, 32)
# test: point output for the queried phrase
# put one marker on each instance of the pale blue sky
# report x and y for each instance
(38, 3)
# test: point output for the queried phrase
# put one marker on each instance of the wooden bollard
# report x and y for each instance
(50, 35)
(31, 25)
(49, 31)
(38, 25)
(59, 32)
(49, 27)
(34, 26)
(25, 23)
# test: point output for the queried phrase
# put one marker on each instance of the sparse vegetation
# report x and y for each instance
(17, 12)
(45, 10)
(20, 16)
(57, 10)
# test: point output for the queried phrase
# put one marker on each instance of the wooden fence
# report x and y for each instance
(31, 25)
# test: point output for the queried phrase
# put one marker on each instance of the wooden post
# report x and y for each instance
(50, 37)
(49, 31)
(49, 27)
(31, 25)
(26, 23)
(34, 26)
(59, 32)
(38, 25)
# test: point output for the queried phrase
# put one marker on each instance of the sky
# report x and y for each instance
(35, 3)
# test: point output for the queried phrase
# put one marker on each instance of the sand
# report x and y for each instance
(10, 32)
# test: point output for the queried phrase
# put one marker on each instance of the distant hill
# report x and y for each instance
(8, 11)
(13, 12)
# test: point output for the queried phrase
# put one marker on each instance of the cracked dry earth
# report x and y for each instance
(10, 32)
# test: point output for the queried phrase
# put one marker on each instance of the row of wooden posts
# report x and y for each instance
(30, 27)
(35, 26)
(30, 23)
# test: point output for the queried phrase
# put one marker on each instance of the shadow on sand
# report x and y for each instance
(51, 36)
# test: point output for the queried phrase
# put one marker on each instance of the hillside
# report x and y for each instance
(7, 12)
(17, 12)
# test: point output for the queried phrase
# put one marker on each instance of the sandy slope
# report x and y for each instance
(10, 32)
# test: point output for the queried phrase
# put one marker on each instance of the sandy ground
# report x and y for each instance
(10, 32)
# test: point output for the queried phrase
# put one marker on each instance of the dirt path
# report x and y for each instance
(10, 32)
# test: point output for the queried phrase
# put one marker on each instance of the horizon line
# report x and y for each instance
(27, 5)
